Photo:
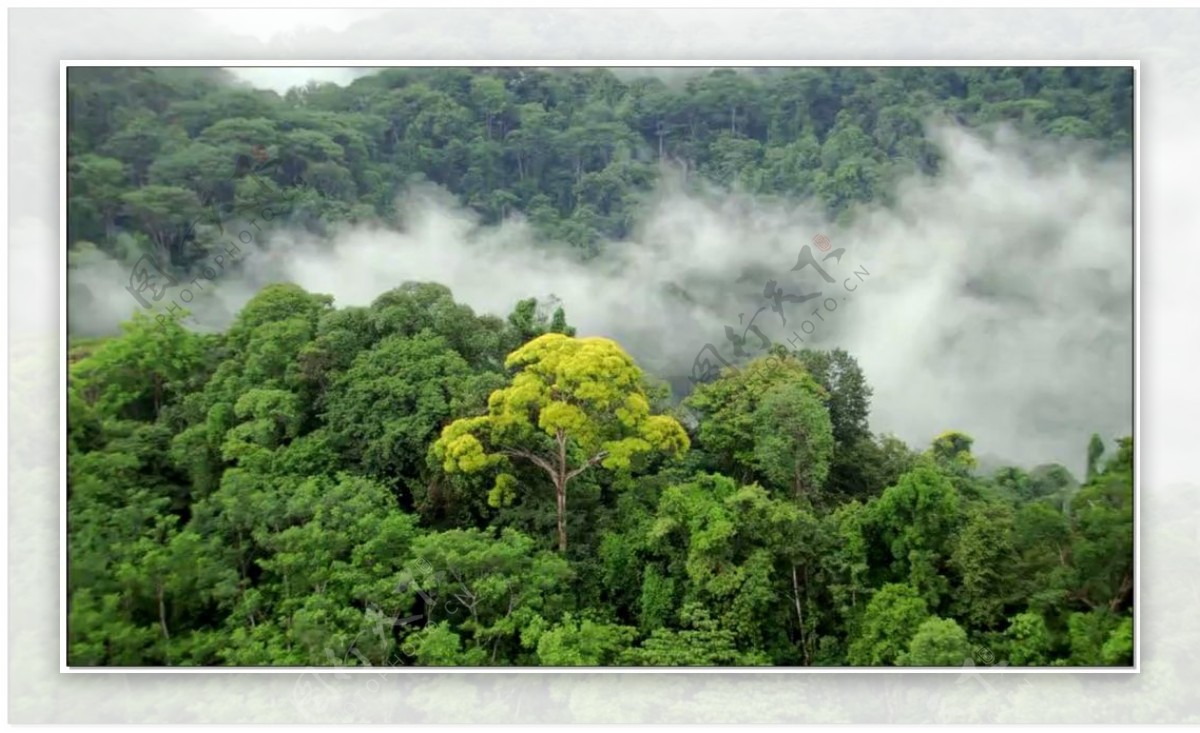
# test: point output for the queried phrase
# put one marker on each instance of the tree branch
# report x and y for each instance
(1126, 586)
(533, 458)
(591, 462)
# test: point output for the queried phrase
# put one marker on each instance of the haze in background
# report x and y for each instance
(282, 78)
(998, 299)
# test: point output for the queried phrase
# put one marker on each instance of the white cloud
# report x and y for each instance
(282, 78)
(266, 23)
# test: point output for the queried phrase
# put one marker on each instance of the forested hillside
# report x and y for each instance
(154, 151)
(415, 483)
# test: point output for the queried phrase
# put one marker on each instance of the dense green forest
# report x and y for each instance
(156, 156)
(415, 483)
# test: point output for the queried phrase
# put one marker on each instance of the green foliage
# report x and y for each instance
(489, 589)
(1094, 453)
(1029, 640)
(1118, 648)
(938, 643)
(983, 558)
(915, 519)
(848, 399)
(371, 485)
(741, 413)
(1102, 545)
(737, 547)
(353, 486)
(1051, 480)
(892, 618)
(135, 375)
(583, 643)
(701, 642)
(793, 439)
(384, 417)
(657, 602)
(1099, 638)
(953, 450)
(572, 404)
(573, 154)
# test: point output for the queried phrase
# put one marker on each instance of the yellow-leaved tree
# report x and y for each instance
(573, 403)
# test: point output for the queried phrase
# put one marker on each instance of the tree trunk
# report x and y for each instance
(560, 488)
(162, 612)
(162, 620)
(162, 249)
(799, 615)
(1126, 586)
(562, 518)
(560, 475)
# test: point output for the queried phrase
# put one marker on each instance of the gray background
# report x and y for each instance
(1164, 41)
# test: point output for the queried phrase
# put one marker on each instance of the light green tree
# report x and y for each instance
(582, 642)
(891, 619)
(135, 374)
(572, 404)
(745, 557)
(939, 642)
(984, 559)
(1029, 640)
(488, 589)
(738, 429)
(793, 439)
(916, 519)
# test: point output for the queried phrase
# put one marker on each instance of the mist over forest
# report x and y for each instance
(443, 221)
(1014, 248)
